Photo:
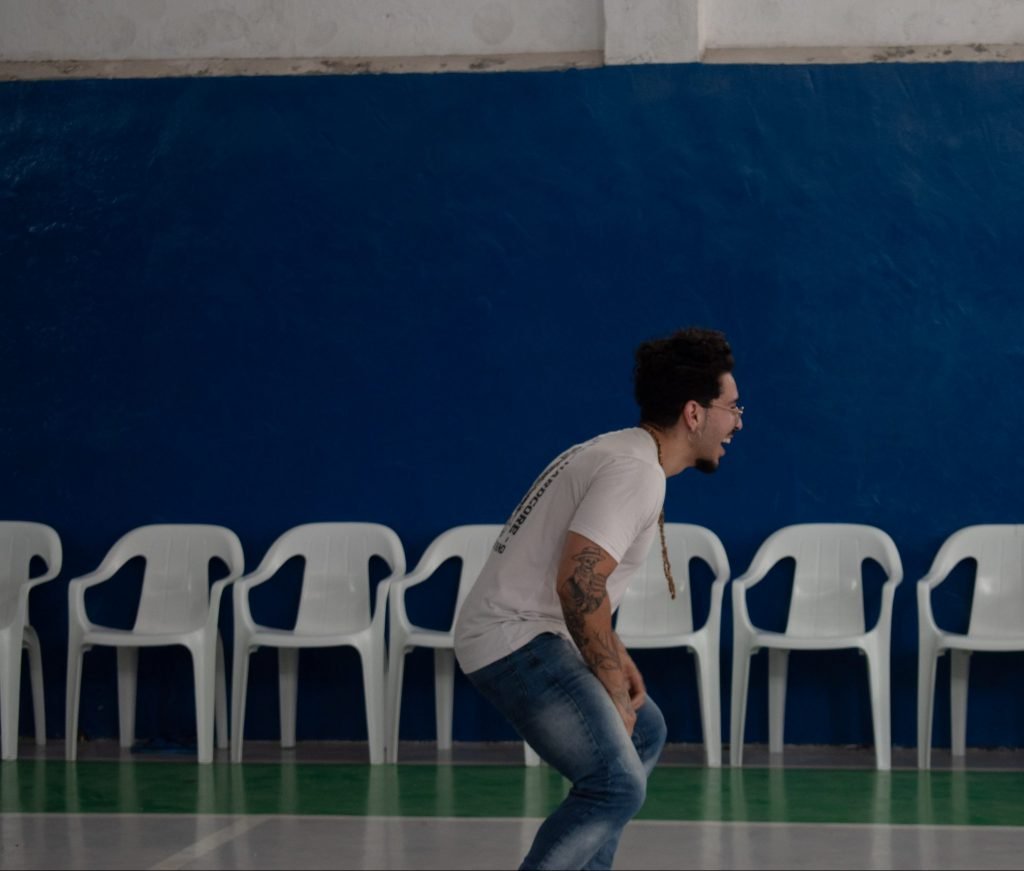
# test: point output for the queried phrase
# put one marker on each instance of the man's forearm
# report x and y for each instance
(588, 617)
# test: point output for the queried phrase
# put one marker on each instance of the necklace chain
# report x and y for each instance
(661, 517)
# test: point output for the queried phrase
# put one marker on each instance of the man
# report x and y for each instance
(535, 633)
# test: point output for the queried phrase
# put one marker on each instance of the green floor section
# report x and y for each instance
(675, 793)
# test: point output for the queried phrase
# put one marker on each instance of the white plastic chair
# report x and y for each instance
(471, 545)
(826, 612)
(334, 611)
(649, 618)
(20, 541)
(996, 621)
(178, 605)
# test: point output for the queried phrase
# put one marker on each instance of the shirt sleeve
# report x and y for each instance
(623, 499)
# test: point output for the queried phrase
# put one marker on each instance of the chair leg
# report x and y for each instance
(778, 672)
(926, 663)
(239, 690)
(738, 712)
(10, 693)
(444, 692)
(706, 662)
(396, 675)
(72, 696)
(204, 671)
(127, 682)
(35, 664)
(878, 682)
(959, 674)
(373, 695)
(220, 699)
(288, 692)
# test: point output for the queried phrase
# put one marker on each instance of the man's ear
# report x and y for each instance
(691, 415)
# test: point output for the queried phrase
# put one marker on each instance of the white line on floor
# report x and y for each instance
(238, 826)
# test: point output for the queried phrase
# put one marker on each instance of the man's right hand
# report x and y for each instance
(624, 705)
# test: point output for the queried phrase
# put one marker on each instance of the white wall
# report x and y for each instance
(165, 29)
(872, 23)
(118, 33)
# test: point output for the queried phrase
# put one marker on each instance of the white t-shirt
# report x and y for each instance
(609, 489)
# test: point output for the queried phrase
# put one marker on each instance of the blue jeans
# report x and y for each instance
(555, 703)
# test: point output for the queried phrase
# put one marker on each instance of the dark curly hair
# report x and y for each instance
(669, 372)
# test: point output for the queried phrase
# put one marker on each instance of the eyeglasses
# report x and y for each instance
(735, 409)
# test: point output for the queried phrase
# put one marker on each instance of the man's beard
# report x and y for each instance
(708, 467)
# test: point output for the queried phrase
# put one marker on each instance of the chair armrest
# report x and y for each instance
(417, 576)
(944, 562)
(42, 579)
(399, 617)
(429, 563)
(401, 586)
(216, 594)
(934, 577)
(765, 559)
(755, 573)
(740, 615)
(949, 556)
(381, 597)
(713, 621)
(925, 615)
(740, 586)
(30, 585)
(258, 576)
(717, 594)
(269, 567)
(888, 597)
(103, 573)
(78, 586)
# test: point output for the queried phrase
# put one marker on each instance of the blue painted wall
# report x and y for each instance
(266, 301)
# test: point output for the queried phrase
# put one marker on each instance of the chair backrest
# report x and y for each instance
(997, 605)
(647, 608)
(20, 541)
(472, 544)
(335, 595)
(828, 597)
(176, 584)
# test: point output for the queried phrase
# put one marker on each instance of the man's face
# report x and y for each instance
(722, 420)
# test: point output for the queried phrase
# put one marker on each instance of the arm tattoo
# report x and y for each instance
(584, 592)
(587, 587)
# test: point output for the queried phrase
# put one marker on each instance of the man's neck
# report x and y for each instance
(677, 450)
